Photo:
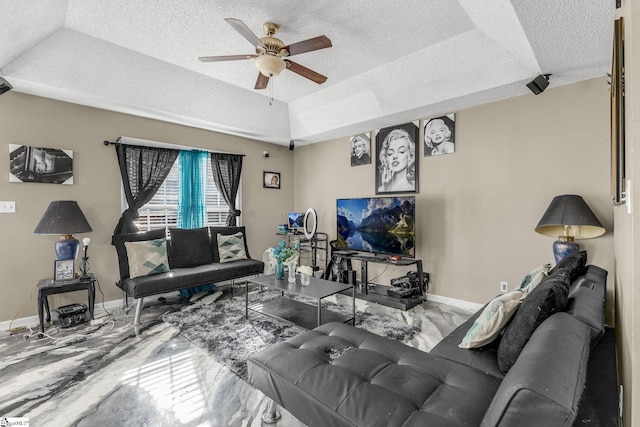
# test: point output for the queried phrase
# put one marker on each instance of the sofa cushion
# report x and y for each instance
(575, 264)
(588, 300)
(547, 298)
(189, 247)
(374, 382)
(147, 257)
(534, 278)
(492, 320)
(119, 240)
(231, 247)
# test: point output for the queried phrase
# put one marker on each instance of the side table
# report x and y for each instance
(48, 287)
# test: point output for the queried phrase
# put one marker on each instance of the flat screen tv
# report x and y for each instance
(380, 225)
(295, 220)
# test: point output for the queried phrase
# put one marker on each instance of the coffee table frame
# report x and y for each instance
(297, 312)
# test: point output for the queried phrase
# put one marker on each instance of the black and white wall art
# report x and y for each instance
(439, 135)
(43, 165)
(360, 149)
(396, 159)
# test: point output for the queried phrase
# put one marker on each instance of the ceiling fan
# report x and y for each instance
(272, 55)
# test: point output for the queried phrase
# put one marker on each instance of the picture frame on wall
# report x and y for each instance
(397, 154)
(439, 135)
(360, 149)
(618, 156)
(63, 269)
(271, 180)
(40, 165)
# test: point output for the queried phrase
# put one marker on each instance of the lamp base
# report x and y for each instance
(67, 248)
(562, 249)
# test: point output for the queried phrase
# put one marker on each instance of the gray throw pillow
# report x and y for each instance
(549, 297)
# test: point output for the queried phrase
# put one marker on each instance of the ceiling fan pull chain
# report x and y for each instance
(271, 101)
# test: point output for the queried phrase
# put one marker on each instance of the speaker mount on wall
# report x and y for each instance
(539, 84)
(291, 145)
(5, 86)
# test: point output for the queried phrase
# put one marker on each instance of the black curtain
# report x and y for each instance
(226, 174)
(143, 170)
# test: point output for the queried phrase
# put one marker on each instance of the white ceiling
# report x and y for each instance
(390, 62)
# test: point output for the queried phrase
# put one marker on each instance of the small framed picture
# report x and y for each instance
(63, 269)
(439, 135)
(360, 149)
(271, 180)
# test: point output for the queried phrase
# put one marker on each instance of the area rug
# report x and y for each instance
(222, 329)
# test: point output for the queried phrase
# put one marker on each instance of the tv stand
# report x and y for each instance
(379, 293)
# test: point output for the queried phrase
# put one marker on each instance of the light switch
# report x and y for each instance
(7, 207)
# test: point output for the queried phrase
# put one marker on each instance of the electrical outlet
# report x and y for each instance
(7, 207)
(504, 286)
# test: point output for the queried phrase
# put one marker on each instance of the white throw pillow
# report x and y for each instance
(147, 257)
(231, 247)
(493, 318)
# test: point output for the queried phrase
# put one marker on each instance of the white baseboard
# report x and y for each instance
(34, 322)
(454, 302)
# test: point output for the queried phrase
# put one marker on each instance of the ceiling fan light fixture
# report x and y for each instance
(270, 65)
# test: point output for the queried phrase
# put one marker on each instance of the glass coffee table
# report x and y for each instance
(297, 312)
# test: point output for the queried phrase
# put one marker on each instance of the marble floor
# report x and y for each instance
(117, 375)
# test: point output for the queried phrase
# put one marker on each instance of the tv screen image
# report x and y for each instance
(295, 220)
(384, 225)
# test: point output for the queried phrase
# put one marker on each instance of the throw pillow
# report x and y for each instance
(189, 247)
(575, 264)
(534, 278)
(493, 318)
(147, 257)
(547, 298)
(231, 247)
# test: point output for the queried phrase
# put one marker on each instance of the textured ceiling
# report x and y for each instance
(390, 61)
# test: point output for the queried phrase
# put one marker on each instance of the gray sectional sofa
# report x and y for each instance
(375, 381)
(193, 258)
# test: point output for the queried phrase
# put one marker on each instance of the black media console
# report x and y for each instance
(391, 296)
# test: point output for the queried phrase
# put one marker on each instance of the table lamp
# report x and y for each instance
(568, 217)
(64, 217)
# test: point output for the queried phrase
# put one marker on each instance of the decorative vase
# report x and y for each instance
(279, 270)
(305, 279)
(292, 272)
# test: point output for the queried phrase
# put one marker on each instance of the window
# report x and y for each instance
(162, 210)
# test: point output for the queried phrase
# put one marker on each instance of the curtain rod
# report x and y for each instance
(127, 140)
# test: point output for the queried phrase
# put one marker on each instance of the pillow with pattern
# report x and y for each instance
(493, 318)
(231, 247)
(147, 257)
(534, 278)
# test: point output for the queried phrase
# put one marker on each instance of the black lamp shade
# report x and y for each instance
(570, 211)
(63, 217)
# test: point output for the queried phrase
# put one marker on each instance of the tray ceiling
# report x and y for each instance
(390, 62)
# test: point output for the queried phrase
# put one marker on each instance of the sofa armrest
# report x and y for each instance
(544, 386)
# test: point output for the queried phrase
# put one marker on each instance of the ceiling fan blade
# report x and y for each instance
(262, 81)
(320, 42)
(226, 58)
(306, 72)
(244, 31)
